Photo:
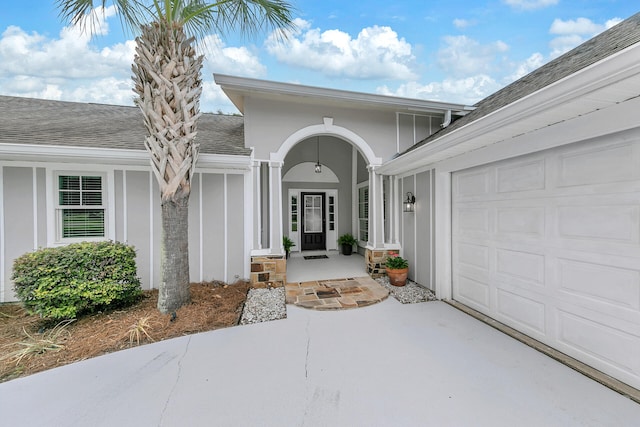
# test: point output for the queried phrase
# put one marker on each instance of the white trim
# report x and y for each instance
(329, 234)
(258, 193)
(110, 209)
(354, 190)
(51, 217)
(397, 212)
(279, 211)
(110, 156)
(225, 221)
(248, 209)
(2, 237)
(34, 191)
(293, 235)
(200, 227)
(432, 210)
(327, 128)
(108, 201)
(151, 242)
(125, 207)
(397, 132)
(270, 204)
(543, 109)
(415, 229)
(235, 87)
(444, 286)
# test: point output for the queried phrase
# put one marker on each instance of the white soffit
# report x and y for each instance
(609, 82)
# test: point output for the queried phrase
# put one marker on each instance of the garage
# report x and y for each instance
(549, 244)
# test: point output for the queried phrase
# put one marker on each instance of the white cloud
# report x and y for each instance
(376, 52)
(577, 26)
(461, 24)
(530, 4)
(462, 56)
(533, 62)
(213, 99)
(468, 90)
(70, 67)
(572, 32)
(67, 67)
(238, 61)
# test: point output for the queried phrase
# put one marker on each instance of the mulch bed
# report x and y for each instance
(214, 305)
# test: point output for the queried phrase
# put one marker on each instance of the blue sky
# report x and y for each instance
(449, 51)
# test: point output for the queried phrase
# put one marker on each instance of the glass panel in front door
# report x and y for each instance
(312, 214)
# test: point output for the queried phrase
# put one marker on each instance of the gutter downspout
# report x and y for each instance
(447, 119)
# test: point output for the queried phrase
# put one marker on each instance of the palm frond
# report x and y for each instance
(199, 17)
(132, 13)
(248, 16)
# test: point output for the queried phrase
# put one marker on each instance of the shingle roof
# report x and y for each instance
(45, 122)
(613, 40)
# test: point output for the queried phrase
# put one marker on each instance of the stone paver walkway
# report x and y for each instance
(335, 294)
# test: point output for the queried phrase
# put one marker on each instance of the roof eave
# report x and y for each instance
(238, 87)
(526, 111)
(110, 156)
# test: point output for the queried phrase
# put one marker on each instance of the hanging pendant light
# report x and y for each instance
(318, 168)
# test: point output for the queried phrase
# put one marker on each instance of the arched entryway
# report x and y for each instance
(346, 161)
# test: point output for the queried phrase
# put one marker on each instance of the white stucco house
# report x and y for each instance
(527, 204)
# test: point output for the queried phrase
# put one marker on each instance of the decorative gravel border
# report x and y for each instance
(263, 305)
(410, 293)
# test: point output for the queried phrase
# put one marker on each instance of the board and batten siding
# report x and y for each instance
(216, 219)
(416, 235)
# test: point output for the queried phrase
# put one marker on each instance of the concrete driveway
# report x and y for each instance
(385, 365)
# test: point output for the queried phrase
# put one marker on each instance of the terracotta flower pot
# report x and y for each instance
(397, 276)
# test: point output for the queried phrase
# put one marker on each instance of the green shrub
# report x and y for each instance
(68, 281)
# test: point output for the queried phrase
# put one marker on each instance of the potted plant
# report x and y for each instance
(347, 241)
(288, 244)
(397, 269)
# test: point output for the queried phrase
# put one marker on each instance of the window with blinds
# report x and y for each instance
(363, 212)
(80, 206)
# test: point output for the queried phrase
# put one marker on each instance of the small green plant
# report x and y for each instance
(287, 243)
(347, 239)
(396, 262)
(33, 345)
(68, 281)
(139, 330)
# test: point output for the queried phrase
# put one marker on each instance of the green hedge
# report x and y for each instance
(68, 281)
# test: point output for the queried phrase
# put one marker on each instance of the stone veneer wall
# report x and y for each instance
(268, 271)
(376, 259)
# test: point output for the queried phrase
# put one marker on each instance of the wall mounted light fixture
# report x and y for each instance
(409, 204)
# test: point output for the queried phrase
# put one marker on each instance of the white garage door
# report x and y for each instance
(549, 244)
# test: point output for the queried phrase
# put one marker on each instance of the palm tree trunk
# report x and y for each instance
(168, 84)
(174, 290)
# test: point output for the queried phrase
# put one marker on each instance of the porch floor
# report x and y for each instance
(336, 266)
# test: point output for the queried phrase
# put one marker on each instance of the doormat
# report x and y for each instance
(315, 257)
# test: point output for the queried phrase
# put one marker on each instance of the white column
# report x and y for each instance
(395, 201)
(275, 208)
(354, 192)
(255, 208)
(376, 210)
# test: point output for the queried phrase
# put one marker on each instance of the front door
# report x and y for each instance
(313, 222)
